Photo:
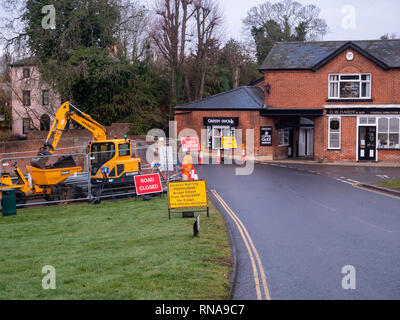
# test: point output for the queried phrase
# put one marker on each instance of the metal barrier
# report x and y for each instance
(66, 177)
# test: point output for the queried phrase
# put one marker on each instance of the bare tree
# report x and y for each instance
(133, 29)
(170, 37)
(208, 20)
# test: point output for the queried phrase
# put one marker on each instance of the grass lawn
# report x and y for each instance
(123, 249)
(391, 184)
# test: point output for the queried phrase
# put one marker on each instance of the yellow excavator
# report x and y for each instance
(114, 155)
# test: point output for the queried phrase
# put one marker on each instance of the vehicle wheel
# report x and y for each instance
(20, 198)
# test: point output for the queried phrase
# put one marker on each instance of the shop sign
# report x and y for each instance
(233, 122)
(266, 136)
(364, 111)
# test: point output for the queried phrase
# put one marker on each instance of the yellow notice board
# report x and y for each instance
(187, 194)
(228, 142)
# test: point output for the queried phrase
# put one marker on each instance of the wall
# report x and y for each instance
(308, 89)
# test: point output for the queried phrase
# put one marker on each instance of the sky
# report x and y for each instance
(373, 18)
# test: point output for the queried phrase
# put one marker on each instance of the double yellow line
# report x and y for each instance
(253, 254)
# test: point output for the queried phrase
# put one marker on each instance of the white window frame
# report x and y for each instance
(388, 132)
(329, 132)
(339, 75)
(285, 131)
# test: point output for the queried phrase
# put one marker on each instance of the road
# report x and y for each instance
(305, 227)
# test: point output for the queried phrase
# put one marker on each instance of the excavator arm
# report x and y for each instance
(67, 112)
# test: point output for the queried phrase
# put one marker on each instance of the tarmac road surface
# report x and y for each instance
(301, 230)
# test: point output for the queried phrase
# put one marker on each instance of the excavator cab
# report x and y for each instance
(116, 155)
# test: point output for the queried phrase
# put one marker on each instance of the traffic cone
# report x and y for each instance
(201, 156)
(193, 175)
(218, 160)
(243, 158)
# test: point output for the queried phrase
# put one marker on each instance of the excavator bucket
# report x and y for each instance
(41, 159)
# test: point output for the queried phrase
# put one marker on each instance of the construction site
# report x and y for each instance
(100, 167)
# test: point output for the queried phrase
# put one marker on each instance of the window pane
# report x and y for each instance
(335, 125)
(45, 97)
(382, 140)
(334, 90)
(365, 90)
(363, 120)
(366, 77)
(356, 77)
(371, 120)
(334, 141)
(349, 89)
(334, 77)
(394, 125)
(394, 140)
(383, 125)
(26, 98)
(124, 149)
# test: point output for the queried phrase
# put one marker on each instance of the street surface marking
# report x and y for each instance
(354, 181)
(242, 229)
(344, 181)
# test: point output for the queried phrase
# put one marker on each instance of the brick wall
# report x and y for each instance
(308, 89)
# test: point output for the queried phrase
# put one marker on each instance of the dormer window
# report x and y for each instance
(350, 86)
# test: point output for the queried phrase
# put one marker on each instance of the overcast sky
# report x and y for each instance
(373, 18)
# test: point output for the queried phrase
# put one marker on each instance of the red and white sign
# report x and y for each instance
(148, 183)
(191, 143)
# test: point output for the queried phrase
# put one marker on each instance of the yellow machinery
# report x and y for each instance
(22, 187)
(48, 180)
(112, 154)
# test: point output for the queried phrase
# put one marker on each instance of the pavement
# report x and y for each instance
(296, 227)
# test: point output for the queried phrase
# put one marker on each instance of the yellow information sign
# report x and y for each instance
(187, 194)
(228, 142)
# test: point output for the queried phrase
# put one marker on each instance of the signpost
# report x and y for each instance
(148, 184)
(187, 194)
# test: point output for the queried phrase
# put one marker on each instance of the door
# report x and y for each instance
(306, 142)
(367, 143)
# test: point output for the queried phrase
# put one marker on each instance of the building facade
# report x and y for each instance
(34, 102)
(327, 101)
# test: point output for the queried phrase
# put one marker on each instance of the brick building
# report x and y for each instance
(329, 100)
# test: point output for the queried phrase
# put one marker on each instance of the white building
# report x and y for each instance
(34, 103)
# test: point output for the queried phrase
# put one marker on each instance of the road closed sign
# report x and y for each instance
(190, 143)
(187, 194)
(148, 183)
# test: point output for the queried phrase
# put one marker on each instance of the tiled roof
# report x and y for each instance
(306, 55)
(242, 98)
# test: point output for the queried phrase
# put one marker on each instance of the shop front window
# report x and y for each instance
(216, 133)
(389, 133)
(283, 136)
